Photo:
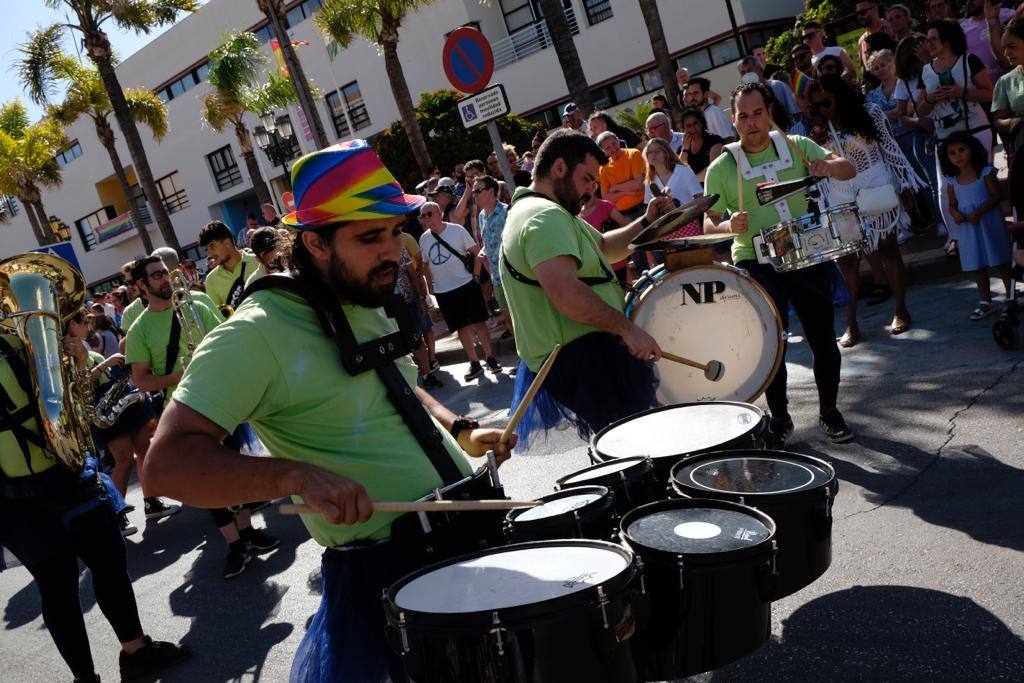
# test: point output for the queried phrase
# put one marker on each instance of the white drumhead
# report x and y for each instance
(600, 471)
(509, 578)
(558, 506)
(711, 312)
(682, 429)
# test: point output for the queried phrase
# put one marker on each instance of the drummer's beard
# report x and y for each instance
(371, 292)
(567, 195)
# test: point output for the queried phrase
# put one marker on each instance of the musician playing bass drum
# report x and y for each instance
(558, 280)
(344, 431)
(53, 512)
(767, 156)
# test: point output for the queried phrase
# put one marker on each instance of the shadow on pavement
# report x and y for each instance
(885, 633)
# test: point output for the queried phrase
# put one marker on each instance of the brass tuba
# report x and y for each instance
(38, 294)
(192, 326)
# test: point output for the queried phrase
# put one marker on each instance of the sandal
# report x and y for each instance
(984, 310)
(899, 325)
(952, 251)
(878, 294)
(850, 338)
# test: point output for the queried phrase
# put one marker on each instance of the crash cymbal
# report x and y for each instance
(674, 219)
(686, 243)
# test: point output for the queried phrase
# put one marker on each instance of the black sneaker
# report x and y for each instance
(156, 508)
(238, 557)
(834, 426)
(779, 430)
(475, 370)
(258, 541)
(127, 528)
(152, 657)
(493, 365)
(431, 382)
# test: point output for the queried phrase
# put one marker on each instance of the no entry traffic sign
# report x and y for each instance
(468, 60)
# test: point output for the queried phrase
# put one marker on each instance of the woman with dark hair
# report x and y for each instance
(700, 147)
(828, 64)
(1008, 98)
(953, 86)
(858, 131)
(604, 121)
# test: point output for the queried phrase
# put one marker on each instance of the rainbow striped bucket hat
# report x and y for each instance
(345, 182)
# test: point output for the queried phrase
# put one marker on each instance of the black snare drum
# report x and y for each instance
(578, 512)
(794, 490)
(708, 569)
(544, 612)
(422, 538)
(632, 480)
(671, 433)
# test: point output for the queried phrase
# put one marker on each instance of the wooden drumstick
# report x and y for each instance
(424, 506)
(713, 369)
(528, 397)
(795, 147)
(739, 184)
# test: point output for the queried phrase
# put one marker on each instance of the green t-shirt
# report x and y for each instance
(1009, 96)
(305, 407)
(722, 180)
(220, 280)
(260, 272)
(148, 338)
(131, 313)
(539, 230)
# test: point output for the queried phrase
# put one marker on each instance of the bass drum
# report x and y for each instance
(709, 312)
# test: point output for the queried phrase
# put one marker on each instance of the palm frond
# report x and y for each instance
(14, 118)
(219, 111)
(344, 20)
(276, 93)
(147, 108)
(235, 63)
(38, 63)
(142, 16)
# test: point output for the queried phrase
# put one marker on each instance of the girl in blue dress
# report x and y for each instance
(974, 199)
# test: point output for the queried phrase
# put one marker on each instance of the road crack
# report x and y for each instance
(950, 435)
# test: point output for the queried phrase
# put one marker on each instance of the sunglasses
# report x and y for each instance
(479, 190)
(426, 214)
(808, 36)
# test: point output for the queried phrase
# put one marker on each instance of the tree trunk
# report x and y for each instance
(106, 135)
(37, 230)
(249, 156)
(44, 221)
(568, 57)
(274, 11)
(659, 45)
(98, 48)
(406, 108)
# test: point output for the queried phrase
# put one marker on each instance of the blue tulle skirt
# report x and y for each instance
(593, 382)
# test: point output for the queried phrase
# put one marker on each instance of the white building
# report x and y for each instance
(200, 173)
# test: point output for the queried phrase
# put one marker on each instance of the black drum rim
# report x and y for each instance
(831, 485)
(529, 614)
(605, 499)
(602, 458)
(649, 553)
(564, 483)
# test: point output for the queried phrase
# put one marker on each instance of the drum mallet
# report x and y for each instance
(713, 370)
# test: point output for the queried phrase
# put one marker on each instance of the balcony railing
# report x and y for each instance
(528, 40)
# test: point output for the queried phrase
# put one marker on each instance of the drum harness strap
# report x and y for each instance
(769, 171)
(379, 355)
(590, 281)
(14, 420)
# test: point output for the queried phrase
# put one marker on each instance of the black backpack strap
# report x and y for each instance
(467, 259)
(13, 419)
(173, 343)
(237, 289)
(378, 355)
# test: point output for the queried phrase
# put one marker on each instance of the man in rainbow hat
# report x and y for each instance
(343, 432)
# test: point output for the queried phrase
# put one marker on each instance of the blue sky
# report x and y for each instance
(33, 14)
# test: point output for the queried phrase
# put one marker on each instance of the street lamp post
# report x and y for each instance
(274, 136)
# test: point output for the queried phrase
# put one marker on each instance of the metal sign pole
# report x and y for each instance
(499, 151)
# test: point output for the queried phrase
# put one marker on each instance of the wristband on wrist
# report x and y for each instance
(644, 222)
(461, 424)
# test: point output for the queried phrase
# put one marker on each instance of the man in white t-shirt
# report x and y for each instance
(813, 36)
(718, 123)
(446, 248)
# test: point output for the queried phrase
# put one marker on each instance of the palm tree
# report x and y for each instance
(568, 58)
(44, 67)
(27, 162)
(635, 118)
(378, 22)
(234, 75)
(659, 45)
(87, 17)
(273, 10)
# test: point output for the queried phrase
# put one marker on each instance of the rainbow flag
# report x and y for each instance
(113, 228)
(801, 83)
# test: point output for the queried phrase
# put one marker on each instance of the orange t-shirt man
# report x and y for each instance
(629, 166)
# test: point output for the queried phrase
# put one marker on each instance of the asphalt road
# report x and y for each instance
(927, 579)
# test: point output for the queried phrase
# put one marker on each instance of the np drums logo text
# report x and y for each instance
(702, 292)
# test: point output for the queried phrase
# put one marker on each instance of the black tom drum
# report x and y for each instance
(579, 512)
(632, 480)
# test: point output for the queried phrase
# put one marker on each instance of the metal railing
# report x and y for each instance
(528, 40)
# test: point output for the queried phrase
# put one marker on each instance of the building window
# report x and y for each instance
(707, 58)
(302, 11)
(69, 154)
(172, 192)
(264, 34)
(348, 110)
(8, 206)
(87, 224)
(225, 169)
(140, 203)
(184, 83)
(597, 10)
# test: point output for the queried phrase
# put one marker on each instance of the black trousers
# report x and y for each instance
(809, 290)
(48, 533)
